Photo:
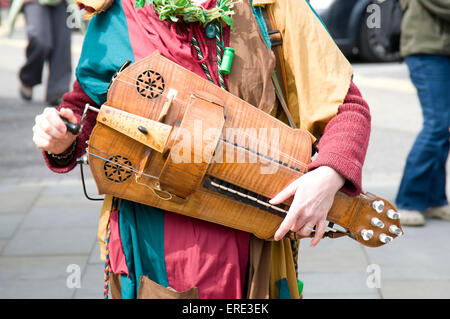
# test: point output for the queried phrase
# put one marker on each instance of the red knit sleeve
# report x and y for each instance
(344, 143)
(76, 101)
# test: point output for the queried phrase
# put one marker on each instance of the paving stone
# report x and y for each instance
(37, 278)
(61, 217)
(333, 254)
(336, 283)
(18, 199)
(9, 223)
(8, 182)
(3, 243)
(92, 283)
(55, 241)
(415, 289)
(420, 253)
(94, 258)
(67, 201)
(70, 187)
(329, 259)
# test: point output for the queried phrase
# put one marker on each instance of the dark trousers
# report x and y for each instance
(424, 177)
(49, 40)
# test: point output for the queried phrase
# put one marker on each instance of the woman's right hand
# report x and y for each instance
(50, 133)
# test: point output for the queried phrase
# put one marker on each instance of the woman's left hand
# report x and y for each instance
(313, 197)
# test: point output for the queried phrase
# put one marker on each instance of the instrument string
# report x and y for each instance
(250, 137)
(118, 164)
(270, 147)
(170, 196)
(154, 177)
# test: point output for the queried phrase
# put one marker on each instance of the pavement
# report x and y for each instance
(48, 245)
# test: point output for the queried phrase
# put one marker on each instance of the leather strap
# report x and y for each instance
(279, 76)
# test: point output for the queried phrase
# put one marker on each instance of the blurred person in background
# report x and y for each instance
(49, 40)
(425, 44)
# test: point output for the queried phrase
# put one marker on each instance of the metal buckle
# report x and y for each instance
(275, 43)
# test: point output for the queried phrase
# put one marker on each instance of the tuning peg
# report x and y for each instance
(395, 230)
(377, 222)
(385, 238)
(366, 234)
(392, 214)
(378, 205)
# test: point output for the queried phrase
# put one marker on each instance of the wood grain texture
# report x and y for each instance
(253, 151)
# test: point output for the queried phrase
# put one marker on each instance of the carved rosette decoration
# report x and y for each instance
(150, 84)
(118, 169)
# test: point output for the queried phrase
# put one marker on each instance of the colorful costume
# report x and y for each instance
(153, 250)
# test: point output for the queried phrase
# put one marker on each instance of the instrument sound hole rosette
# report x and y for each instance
(150, 84)
(115, 169)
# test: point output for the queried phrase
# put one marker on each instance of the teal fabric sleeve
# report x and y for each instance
(106, 48)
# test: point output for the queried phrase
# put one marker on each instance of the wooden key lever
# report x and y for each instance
(148, 132)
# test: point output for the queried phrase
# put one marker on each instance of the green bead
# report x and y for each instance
(211, 31)
(227, 59)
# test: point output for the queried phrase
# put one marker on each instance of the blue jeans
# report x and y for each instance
(423, 182)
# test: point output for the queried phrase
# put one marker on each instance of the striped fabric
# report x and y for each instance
(107, 264)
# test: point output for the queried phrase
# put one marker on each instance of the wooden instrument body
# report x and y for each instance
(216, 137)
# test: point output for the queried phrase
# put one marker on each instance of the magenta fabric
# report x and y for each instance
(117, 260)
(204, 255)
(148, 33)
(197, 254)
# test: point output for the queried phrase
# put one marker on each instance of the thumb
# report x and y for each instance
(69, 115)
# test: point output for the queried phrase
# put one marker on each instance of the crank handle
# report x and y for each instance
(73, 128)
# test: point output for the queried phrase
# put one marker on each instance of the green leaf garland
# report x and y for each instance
(174, 10)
